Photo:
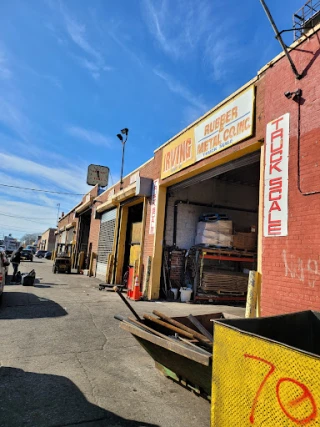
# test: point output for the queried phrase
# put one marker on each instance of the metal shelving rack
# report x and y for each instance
(218, 254)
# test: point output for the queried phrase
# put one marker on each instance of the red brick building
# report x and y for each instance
(291, 264)
(255, 158)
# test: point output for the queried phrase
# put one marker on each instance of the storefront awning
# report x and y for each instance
(84, 206)
(70, 225)
(105, 206)
(142, 187)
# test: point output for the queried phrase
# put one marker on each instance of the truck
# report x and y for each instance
(11, 244)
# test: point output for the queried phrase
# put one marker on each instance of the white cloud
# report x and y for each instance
(68, 178)
(177, 87)
(129, 51)
(13, 117)
(221, 54)
(178, 25)
(91, 136)
(37, 219)
(78, 34)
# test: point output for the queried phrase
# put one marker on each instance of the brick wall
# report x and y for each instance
(70, 216)
(291, 265)
(176, 263)
(149, 170)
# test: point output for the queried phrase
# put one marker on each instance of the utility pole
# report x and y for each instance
(58, 206)
(123, 142)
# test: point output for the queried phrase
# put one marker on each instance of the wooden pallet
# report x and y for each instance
(236, 293)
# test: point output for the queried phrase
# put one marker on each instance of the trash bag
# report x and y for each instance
(28, 279)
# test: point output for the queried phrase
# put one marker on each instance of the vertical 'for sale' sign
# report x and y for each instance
(276, 177)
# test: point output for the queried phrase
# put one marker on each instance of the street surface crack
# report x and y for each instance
(92, 386)
(98, 329)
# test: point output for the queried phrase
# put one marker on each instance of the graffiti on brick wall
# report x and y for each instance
(305, 270)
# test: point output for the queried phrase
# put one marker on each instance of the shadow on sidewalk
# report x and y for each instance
(24, 305)
(41, 400)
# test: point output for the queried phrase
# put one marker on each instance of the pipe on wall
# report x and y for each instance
(187, 202)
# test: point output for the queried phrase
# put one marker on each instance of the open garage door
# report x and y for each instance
(106, 238)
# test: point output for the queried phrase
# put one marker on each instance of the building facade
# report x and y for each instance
(253, 159)
(48, 240)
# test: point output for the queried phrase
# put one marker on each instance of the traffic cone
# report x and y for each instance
(136, 296)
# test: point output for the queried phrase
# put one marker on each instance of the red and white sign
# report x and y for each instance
(154, 204)
(276, 178)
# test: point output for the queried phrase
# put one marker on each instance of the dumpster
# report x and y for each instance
(266, 371)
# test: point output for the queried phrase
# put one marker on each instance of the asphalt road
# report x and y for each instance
(65, 361)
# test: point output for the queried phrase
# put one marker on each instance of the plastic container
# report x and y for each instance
(175, 293)
(185, 294)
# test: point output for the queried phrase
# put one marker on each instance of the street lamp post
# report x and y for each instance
(125, 132)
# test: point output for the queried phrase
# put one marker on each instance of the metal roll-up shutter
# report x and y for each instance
(234, 164)
(70, 235)
(106, 237)
(63, 237)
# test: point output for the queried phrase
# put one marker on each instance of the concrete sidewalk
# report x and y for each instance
(65, 361)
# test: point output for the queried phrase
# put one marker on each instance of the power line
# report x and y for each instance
(41, 191)
(27, 218)
(8, 228)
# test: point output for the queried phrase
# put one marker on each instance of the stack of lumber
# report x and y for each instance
(227, 281)
(163, 326)
(217, 233)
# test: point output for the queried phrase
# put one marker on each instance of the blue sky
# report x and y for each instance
(73, 73)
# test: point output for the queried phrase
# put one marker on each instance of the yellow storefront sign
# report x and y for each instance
(258, 382)
(178, 154)
(226, 126)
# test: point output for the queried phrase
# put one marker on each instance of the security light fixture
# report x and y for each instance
(125, 132)
(293, 95)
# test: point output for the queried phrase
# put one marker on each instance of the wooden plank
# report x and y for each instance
(180, 331)
(109, 268)
(147, 277)
(168, 326)
(229, 258)
(173, 322)
(200, 327)
(195, 346)
(153, 331)
(184, 342)
(171, 346)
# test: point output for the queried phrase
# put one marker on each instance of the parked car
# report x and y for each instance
(32, 248)
(5, 260)
(4, 265)
(26, 254)
(48, 255)
(40, 254)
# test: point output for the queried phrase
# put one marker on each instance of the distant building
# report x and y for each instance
(38, 242)
(47, 240)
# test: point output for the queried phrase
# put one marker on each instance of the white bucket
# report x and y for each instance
(185, 294)
(175, 293)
